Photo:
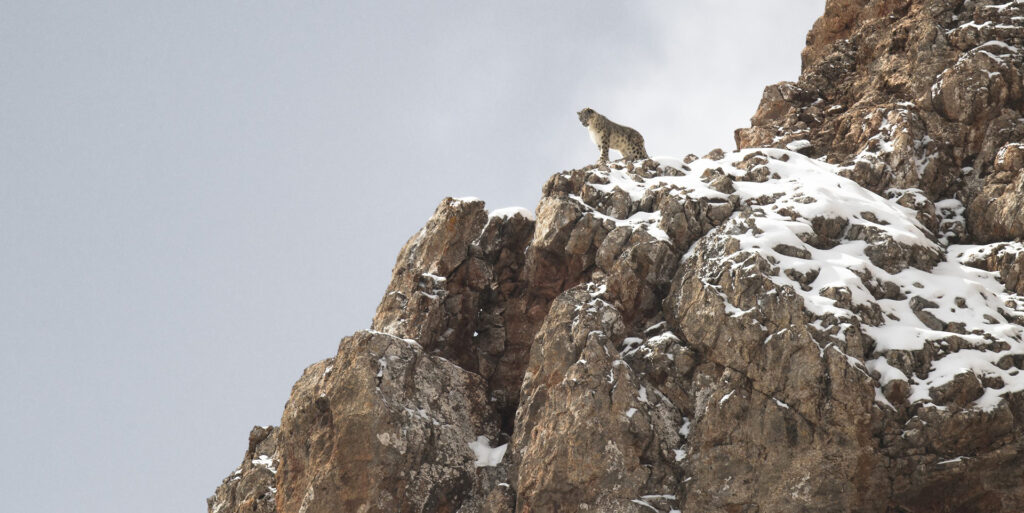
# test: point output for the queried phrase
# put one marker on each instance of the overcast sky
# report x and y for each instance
(199, 199)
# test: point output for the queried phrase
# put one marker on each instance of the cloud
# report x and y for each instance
(709, 64)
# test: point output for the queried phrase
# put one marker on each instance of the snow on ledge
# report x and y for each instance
(977, 313)
(487, 456)
(509, 212)
(798, 145)
(265, 461)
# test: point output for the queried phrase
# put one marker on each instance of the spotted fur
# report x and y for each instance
(607, 134)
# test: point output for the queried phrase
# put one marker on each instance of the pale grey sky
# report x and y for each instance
(198, 199)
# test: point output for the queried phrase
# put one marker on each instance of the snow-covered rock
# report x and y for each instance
(825, 320)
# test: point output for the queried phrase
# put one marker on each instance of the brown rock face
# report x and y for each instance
(578, 388)
(460, 288)
(382, 426)
(922, 94)
(1006, 258)
(795, 328)
(251, 487)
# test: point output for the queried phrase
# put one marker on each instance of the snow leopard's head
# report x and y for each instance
(585, 116)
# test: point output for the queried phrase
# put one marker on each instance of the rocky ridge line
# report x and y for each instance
(797, 328)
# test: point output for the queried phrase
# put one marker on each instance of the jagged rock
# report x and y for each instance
(910, 94)
(1010, 158)
(761, 396)
(962, 390)
(1004, 258)
(585, 435)
(976, 87)
(252, 486)
(383, 426)
(715, 154)
(458, 290)
(654, 381)
(797, 327)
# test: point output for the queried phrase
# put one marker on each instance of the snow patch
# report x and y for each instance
(509, 212)
(487, 456)
(265, 461)
(726, 397)
(798, 145)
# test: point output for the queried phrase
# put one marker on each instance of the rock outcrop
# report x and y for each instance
(827, 319)
(912, 94)
(252, 486)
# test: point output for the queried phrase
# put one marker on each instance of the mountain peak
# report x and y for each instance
(826, 319)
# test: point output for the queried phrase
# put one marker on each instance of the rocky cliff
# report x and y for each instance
(825, 320)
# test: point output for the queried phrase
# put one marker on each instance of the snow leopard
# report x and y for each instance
(607, 134)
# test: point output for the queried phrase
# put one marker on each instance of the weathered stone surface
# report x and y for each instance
(383, 426)
(976, 87)
(911, 94)
(585, 434)
(760, 396)
(789, 329)
(460, 290)
(252, 486)
(1006, 258)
